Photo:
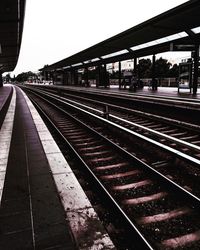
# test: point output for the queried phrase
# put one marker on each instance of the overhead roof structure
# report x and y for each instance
(11, 27)
(167, 31)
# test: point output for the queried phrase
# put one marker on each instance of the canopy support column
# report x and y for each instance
(154, 81)
(76, 77)
(120, 75)
(138, 69)
(67, 77)
(53, 76)
(64, 77)
(98, 75)
(135, 64)
(196, 66)
(70, 77)
(105, 77)
(87, 84)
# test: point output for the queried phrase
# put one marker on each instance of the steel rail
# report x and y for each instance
(161, 98)
(164, 100)
(145, 243)
(168, 137)
(176, 152)
(140, 113)
(132, 94)
(137, 112)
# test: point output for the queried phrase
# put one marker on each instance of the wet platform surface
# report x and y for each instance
(36, 188)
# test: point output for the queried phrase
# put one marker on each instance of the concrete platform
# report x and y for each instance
(42, 204)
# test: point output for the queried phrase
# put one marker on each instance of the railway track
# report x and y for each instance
(177, 108)
(155, 141)
(162, 213)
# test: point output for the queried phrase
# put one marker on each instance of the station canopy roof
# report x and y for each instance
(177, 29)
(11, 26)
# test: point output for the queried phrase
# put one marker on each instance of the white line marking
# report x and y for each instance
(5, 139)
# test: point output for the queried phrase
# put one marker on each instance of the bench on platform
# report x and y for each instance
(185, 85)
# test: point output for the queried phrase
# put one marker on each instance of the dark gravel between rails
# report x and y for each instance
(185, 175)
(161, 231)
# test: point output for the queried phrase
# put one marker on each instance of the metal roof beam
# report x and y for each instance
(175, 21)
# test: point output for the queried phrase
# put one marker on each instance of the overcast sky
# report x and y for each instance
(55, 29)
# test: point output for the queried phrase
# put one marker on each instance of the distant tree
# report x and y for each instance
(7, 78)
(92, 74)
(174, 71)
(24, 76)
(145, 68)
(114, 74)
(162, 67)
